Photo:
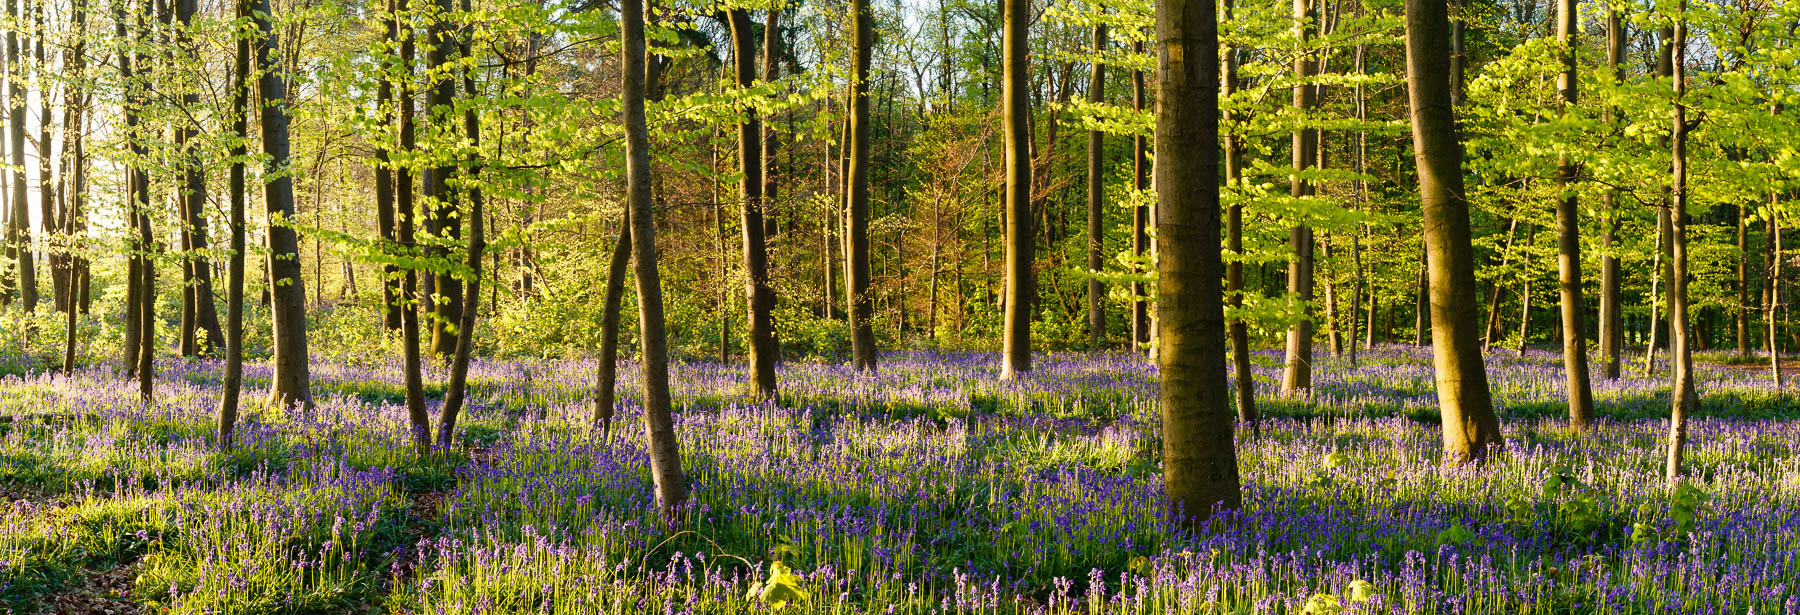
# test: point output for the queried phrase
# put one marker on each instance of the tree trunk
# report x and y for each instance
(1772, 292)
(1741, 315)
(1469, 424)
(74, 223)
(1422, 297)
(1681, 359)
(1200, 469)
(1296, 373)
(659, 425)
(1657, 269)
(606, 375)
(291, 383)
(19, 231)
(856, 194)
(1243, 379)
(233, 381)
(443, 221)
(758, 295)
(1493, 322)
(199, 292)
(1021, 285)
(1568, 245)
(1140, 215)
(465, 324)
(1096, 218)
(384, 189)
(1612, 325)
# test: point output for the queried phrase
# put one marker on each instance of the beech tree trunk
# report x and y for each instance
(659, 424)
(291, 383)
(1140, 215)
(1096, 217)
(1296, 373)
(1469, 424)
(1568, 246)
(1612, 323)
(856, 193)
(1243, 378)
(232, 383)
(199, 292)
(1681, 358)
(1200, 469)
(1015, 94)
(443, 221)
(606, 375)
(465, 324)
(18, 232)
(758, 295)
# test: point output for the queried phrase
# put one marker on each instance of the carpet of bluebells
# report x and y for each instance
(929, 488)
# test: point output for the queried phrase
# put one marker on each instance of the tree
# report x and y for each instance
(234, 283)
(1681, 358)
(1469, 423)
(1568, 241)
(1096, 188)
(1199, 457)
(418, 421)
(1015, 96)
(858, 131)
(659, 425)
(1296, 373)
(1244, 382)
(198, 312)
(291, 383)
(443, 222)
(1612, 326)
(758, 294)
(465, 324)
(18, 232)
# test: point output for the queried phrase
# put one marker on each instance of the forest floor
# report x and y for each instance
(929, 487)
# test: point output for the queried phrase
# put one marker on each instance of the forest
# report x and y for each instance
(933, 307)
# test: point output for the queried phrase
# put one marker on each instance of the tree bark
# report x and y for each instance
(856, 194)
(18, 233)
(465, 324)
(1568, 244)
(758, 295)
(1243, 378)
(1469, 424)
(199, 292)
(1296, 373)
(232, 383)
(1612, 325)
(1096, 218)
(291, 383)
(659, 424)
(1200, 469)
(1140, 215)
(443, 222)
(1681, 359)
(1015, 94)
(606, 375)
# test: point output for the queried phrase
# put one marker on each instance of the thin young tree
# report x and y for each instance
(234, 283)
(1681, 358)
(1612, 325)
(858, 132)
(1096, 192)
(291, 383)
(1015, 96)
(1140, 215)
(384, 182)
(443, 222)
(1568, 240)
(18, 233)
(1243, 380)
(659, 424)
(203, 316)
(406, 216)
(1469, 424)
(1296, 372)
(457, 389)
(759, 296)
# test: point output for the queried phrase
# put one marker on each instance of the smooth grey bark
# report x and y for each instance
(1296, 373)
(232, 383)
(18, 231)
(1243, 379)
(858, 132)
(291, 383)
(1200, 470)
(1568, 245)
(659, 424)
(759, 296)
(1096, 188)
(606, 374)
(1021, 245)
(1681, 359)
(1612, 325)
(1470, 427)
